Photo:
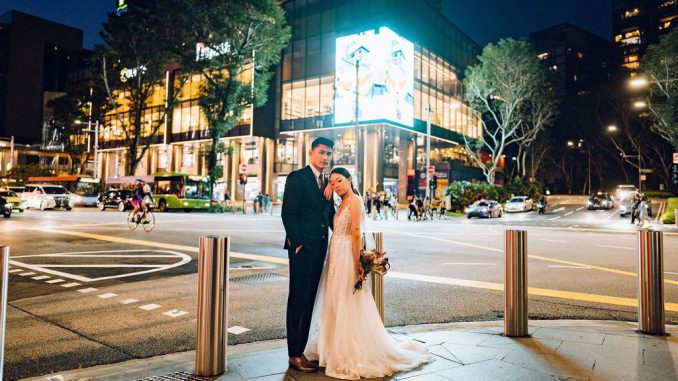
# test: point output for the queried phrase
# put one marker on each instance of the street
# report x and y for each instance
(84, 290)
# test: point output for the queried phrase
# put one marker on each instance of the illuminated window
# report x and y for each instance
(632, 65)
(543, 56)
(632, 58)
(665, 23)
(617, 38)
(667, 3)
(580, 55)
(633, 33)
(631, 13)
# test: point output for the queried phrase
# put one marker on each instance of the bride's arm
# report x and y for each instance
(356, 234)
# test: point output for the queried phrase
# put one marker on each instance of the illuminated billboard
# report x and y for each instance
(385, 77)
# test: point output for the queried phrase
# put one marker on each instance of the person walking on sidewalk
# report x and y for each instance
(307, 213)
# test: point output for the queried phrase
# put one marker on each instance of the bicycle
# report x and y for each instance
(134, 221)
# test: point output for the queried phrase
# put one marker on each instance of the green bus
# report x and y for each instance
(171, 190)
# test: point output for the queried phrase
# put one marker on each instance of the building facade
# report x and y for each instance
(367, 74)
(638, 23)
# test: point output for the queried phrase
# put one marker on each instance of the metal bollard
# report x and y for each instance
(376, 282)
(515, 284)
(4, 281)
(651, 317)
(212, 338)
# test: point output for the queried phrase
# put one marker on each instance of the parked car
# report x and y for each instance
(600, 200)
(484, 208)
(5, 207)
(17, 202)
(625, 207)
(120, 199)
(625, 191)
(17, 190)
(519, 204)
(43, 196)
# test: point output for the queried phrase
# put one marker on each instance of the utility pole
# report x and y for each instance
(428, 150)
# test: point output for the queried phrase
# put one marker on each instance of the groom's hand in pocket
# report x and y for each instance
(298, 249)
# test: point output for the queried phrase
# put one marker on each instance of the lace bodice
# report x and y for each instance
(342, 223)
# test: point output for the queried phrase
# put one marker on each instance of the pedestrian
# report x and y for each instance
(227, 198)
(377, 206)
(422, 205)
(634, 209)
(267, 202)
(259, 200)
(368, 207)
(441, 209)
(413, 209)
(394, 206)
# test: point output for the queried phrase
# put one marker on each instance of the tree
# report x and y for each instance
(66, 110)
(134, 62)
(233, 46)
(22, 172)
(539, 112)
(503, 87)
(660, 65)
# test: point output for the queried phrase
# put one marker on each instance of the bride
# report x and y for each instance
(347, 336)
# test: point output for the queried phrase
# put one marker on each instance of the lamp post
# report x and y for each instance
(613, 129)
(579, 143)
(96, 143)
(353, 58)
(428, 150)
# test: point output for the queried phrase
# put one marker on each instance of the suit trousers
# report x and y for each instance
(305, 271)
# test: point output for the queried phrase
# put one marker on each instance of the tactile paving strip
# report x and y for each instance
(259, 279)
(177, 376)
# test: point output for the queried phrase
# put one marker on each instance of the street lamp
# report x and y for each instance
(580, 143)
(353, 58)
(624, 155)
(640, 104)
(612, 128)
(638, 82)
(96, 143)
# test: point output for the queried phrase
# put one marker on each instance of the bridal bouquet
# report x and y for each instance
(372, 261)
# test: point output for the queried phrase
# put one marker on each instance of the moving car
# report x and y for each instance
(625, 207)
(120, 199)
(519, 204)
(484, 208)
(600, 200)
(17, 202)
(625, 191)
(45, 196)
(5, 207)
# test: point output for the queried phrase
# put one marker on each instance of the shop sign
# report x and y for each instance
(127, 74)
(204, 52)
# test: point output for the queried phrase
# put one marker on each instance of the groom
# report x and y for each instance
(307, 213)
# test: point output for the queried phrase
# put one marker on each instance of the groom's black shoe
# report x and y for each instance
(302, 365)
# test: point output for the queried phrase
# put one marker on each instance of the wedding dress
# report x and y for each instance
(347, 336)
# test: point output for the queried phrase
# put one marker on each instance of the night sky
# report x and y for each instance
(483, 20)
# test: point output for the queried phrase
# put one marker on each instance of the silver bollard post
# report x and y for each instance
(515, 284)
(651, 316)
(212, 338)
(4, 280)
(376, 281)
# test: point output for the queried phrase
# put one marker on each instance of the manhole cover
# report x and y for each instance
(259, 279)
(178, 376)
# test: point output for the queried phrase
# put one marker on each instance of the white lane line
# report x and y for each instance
(27, 274)
(559, 209)
(69, 285)
(616, 247)
(129, 301)
(41, 277)
(237, 330)
(107, 295)
(569, 267)
(568, 213)
(578, 209)
(471, 263)
(149, 307)
(252, 268)
(86, 290)
(16, 270)
(55, 281)
(175, 313)
(555, 218)
(552, 240)
(107, 266)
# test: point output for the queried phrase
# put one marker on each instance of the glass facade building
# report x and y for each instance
(407, 60)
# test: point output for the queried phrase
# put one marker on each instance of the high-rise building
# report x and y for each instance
(638, 23)
(404, 59)
(36, 56)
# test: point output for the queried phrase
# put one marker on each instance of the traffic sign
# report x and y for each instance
(431, 169)
(646, 170)
(643, 177)
(243, 168)
(675, 158)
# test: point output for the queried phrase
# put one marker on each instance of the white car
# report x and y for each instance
(43, 196)
(519, 204)
(625, 191)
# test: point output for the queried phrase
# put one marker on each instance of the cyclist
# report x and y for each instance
(141, 191)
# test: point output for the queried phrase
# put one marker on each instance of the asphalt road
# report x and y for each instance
(84, 290)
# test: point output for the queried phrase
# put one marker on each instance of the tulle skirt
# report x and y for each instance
(347, 336)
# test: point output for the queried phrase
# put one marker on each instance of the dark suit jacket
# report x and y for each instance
(306, 214)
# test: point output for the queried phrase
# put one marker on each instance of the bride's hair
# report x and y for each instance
(344, 172)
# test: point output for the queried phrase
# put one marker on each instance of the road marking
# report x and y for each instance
(107, 295)
(41, 277)
(555, 218)
(532, 291)
(149, 307)
(69, 285)
(559, 209)
(128, 301)
(578, 209)
(616, 247)
(471, 263)
(16, 270)
(552, 240)
(27, 274)
(49, 268)
(86, 290)
(252, 268)
(569, 267)
(446, 240)
(568, 213)
(55, 281)
(237, 330)
(175, 313)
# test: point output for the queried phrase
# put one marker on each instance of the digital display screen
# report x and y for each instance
(385, 78)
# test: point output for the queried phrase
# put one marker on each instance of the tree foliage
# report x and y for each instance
(505, 86)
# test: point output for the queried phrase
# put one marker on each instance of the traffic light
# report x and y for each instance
(243, 179)
(433, 183)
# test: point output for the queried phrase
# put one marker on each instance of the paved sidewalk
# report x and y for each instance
(556, 350)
